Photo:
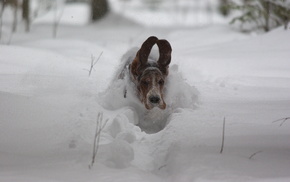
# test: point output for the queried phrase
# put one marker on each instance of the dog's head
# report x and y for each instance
(150, 76)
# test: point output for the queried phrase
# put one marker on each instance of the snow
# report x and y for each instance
(49, 105)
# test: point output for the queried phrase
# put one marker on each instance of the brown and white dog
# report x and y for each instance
(149, 75)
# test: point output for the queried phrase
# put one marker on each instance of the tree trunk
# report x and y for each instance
(26, 14)
(267, 6)
(1, 18)
(223, 7)
(99, 9)
(14, 25)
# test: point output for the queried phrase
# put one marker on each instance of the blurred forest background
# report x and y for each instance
(247, 15)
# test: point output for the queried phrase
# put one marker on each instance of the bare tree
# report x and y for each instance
(26, 14)
(1, 19)
(267, 7)
(14, 4)
(223, 7)
(58, 11)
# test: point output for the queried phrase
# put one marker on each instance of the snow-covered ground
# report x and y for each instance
(49, 105)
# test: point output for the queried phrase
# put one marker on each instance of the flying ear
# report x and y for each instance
(164, 53)
(145, 49)
(142, 56)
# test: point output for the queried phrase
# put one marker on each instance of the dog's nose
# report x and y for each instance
(154, 99)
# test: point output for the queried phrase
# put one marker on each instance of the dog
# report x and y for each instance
(149, 75)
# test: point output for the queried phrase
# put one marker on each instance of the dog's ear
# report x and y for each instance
(164, 53)
(142, 56)
(145, 49)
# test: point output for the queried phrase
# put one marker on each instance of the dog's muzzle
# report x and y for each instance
(154, 99)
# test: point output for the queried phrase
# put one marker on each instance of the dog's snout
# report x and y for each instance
(154, 99)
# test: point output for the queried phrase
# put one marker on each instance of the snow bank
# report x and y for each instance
(178, 94)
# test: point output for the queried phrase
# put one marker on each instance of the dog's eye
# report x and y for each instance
(161, 82)
(145, 82)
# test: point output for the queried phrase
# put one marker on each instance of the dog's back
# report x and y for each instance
(125, 62)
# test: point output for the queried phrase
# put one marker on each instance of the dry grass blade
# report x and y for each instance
(254, 154)
(99, 127)
(223, 136)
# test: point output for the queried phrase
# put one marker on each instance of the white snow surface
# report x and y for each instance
(49, 106)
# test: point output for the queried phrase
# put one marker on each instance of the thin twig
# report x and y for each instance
(223, 135)
(1, 19)
(94, 62)
(254, 154)
(282, 119)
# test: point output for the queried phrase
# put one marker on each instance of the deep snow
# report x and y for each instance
(49, 106)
